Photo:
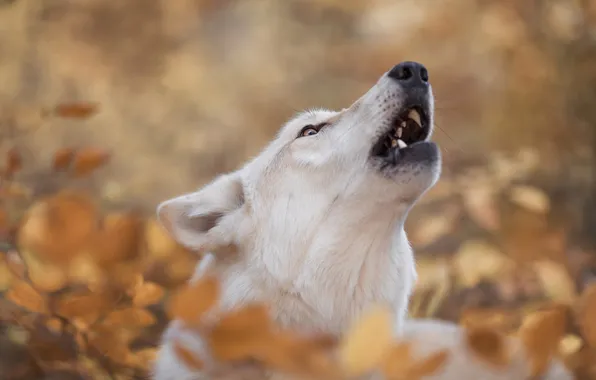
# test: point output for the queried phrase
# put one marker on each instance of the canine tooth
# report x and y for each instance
(401, 143)
(403, 124)
(394, 143)
(400, 131)
(414, 115)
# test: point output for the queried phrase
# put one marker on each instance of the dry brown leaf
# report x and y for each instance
(45, 277)
(290, 353)
(58, 227)
(87, 160)
(87, 307)
(428, 366)
(84, 270)
(586, 314)
(480, 202)
(15, 264)
(159, 243)
(477, 260)
(55, 325)
(118, 240)
(367, 341)
(130, 318)
(556, 281)
(14, 162)
(188, 358)
(530, 198)
(75, 110)
(488, 345)
(397, 361)
(23, 294)
(144, 358)
(62, 159)
(540, 334)
(193, 300)
(240, 333)
(148, 293)
(112, 342)
(502, 320)
(6, 276)
(435, 227)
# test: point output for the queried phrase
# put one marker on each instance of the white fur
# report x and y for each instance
(318, 228)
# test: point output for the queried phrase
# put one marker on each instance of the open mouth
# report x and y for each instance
(407, 128)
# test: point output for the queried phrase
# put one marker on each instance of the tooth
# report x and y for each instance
(401, 144)
(394, 143)
(403, 124)
(400, 131)
(414, 115)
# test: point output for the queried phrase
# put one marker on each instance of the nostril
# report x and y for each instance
(404, 73)
(424, 74)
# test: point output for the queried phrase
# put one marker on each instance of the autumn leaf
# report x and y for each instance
(87, 160)
(63, 159)
(193, 300)
(366, 342)
(118, 239)
(132, 317)
(288, 352)
(75, 110)
(58, 227)
(85, 306)
(428, 366)
(397, 361)
(488, 345)
(112, 342)
(586, 314)
(23, 294)
(540, 334)
(148, 293)
(240, 333)
(14, 162)
(188, 358)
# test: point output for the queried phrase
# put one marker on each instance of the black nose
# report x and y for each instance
(410, 74)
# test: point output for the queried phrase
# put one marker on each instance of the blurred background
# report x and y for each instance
(187, 89)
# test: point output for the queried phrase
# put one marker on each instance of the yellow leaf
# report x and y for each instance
(428, 366)
(367, 341)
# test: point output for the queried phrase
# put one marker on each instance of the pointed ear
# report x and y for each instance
(192, 219)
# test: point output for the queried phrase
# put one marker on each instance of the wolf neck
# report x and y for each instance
(333, 275)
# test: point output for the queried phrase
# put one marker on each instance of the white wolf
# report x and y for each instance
(318, 222)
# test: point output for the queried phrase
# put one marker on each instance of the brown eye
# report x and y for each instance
(309, 130)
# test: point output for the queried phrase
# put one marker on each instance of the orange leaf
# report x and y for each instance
(75, 110)
(428, 366)
(489, 345)
(86, 306)
(397, 361)
(130, 318)
(118, 240)
(14, 162)
(240, 333)
(193, 300)
(540, 335)
(23, 294)
(148, 293)
(15, 264)
(58, 227)
(87, 160)
(63, 158)
(190, 359)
